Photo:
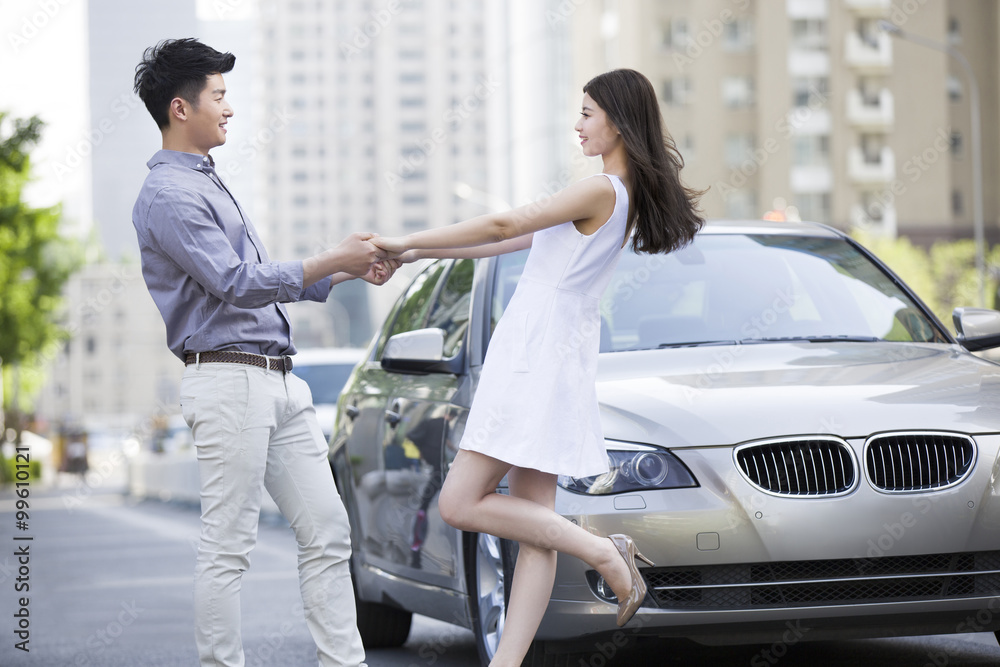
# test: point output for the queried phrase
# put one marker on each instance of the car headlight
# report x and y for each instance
(633, 468)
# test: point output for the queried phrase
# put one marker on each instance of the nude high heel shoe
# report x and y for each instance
(630, 605)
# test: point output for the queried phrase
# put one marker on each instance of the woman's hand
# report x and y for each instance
(409, 257)
(394, 246)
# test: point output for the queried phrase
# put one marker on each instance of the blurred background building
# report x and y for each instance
(808, 107)
(395, 115)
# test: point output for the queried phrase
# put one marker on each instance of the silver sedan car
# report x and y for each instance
(794, 439)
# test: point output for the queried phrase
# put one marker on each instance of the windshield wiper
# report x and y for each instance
(812, 339)
(698, 343)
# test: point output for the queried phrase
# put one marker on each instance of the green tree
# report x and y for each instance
(943, 276)
(35, 262)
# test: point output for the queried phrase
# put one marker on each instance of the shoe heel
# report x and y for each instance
(643, 559)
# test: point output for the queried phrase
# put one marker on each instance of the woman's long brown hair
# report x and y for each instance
(665, 213)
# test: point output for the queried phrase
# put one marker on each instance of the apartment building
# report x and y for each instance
(377, 117)
(808, 108)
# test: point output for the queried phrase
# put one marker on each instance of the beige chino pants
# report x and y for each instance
(256, 429)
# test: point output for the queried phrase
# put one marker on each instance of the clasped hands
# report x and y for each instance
(373, 258)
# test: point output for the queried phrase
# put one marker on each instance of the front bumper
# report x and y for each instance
(737, 565)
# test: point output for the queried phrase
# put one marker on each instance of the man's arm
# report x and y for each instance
(184, 229)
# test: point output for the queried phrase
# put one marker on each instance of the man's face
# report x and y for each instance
(206, 123)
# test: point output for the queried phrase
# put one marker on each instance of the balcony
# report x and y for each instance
(870, 114)
(864, 170)
(868, 55)
(878, 218)
(872, 8)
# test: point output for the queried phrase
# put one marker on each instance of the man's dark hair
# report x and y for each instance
(177, 68)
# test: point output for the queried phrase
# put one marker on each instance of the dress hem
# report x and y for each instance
(533, 465)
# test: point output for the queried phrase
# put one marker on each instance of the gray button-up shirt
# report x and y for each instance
(205, 265)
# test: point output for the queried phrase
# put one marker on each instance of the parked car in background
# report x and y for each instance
(793, 438)
(325, 370)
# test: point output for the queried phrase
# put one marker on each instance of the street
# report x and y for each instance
(109, 584)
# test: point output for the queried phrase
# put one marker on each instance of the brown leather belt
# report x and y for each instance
(283, 364)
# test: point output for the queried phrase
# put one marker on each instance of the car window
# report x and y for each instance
(450, 311)
(414, 305)
(746, 287)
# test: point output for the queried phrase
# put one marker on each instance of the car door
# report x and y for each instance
(397, 483)
(361, 464)
(418, 435)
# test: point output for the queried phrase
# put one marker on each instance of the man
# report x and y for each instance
(222, 301)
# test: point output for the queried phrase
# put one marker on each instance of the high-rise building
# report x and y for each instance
(116, 369)
(376, 114)
(808, 108)
(123, 136)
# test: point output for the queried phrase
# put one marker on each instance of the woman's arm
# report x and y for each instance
(580, 201)
(475, 252)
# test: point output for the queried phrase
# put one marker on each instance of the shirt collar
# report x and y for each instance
(189, 160)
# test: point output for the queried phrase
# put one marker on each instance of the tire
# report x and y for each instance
(490, 570)
(382, 626)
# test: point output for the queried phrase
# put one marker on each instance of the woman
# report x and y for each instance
(535, 413)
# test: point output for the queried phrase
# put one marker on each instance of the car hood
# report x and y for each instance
(723, 395)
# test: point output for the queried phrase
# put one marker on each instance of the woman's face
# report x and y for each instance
(597, 135)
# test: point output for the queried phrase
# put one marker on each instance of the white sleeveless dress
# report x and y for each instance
(536, 402)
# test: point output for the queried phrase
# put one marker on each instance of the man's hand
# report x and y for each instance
(358, 253)
(380, 272)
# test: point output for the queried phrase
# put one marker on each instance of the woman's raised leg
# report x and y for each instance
(468, 501)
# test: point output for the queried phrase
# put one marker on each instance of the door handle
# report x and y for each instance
(392, 415)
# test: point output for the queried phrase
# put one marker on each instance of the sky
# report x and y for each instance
(43, 71)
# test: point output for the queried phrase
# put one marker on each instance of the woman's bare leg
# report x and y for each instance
(468, 501)
(534, 573)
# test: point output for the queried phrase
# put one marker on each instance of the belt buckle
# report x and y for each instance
(287, 361)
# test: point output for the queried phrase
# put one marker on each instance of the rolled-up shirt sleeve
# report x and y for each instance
(318, 291)
(182, 226)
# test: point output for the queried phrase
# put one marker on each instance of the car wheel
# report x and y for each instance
(490, 570)
(382, 626)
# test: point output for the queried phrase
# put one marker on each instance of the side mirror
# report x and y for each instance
(420, 351)
(978, 328)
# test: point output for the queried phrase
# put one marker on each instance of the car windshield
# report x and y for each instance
(751, 288)
(325, 380)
